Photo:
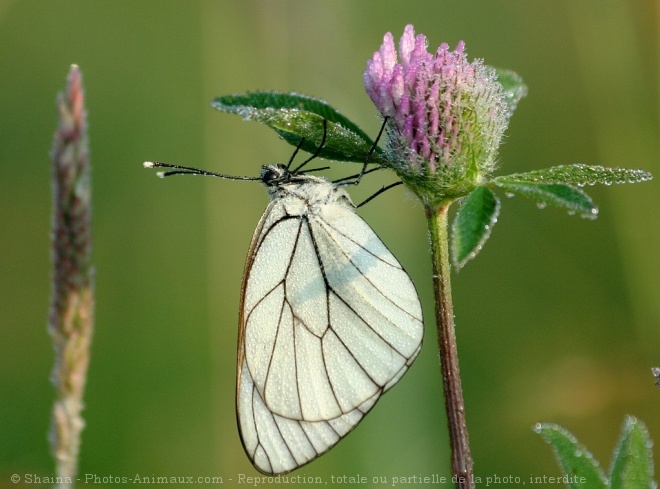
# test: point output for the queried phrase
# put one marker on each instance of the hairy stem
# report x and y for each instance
(71, 308)
(461, 460)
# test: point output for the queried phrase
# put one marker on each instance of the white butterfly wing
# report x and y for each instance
(329, 322)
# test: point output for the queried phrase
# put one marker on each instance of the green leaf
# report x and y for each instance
(580, 175)
(514, 88)
(296, 116)
(581, 470)
(473, 224)
(558, 195)
(632, 467)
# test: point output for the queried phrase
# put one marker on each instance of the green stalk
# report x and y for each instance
(461, 460)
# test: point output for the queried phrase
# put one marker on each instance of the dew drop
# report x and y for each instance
(541, 205)
(509, 194)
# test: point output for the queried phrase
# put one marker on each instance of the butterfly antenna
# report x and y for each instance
(357, 177)
(187, 170)
(351, 177)
(369, 154)
(317, 169)
(384, 189)
(293, 156)
(318, 150)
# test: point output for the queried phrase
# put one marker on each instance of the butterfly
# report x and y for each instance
(329, 320)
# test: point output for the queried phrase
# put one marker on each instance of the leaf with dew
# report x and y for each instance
(579, 174)
(632, 467)
(514, 88)
(295, 116)
(473, 224)
(574, 200)
(581, 470)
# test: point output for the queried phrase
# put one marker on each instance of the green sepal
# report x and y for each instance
(580, 469)
(295, 116)
(632, 466)
(473, 224)
(514, 88)
(573, 199)
(580, 174)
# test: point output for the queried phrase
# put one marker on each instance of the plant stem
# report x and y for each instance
(72, 302)
(461, 460)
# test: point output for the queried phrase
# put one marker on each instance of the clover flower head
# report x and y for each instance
(446, 115)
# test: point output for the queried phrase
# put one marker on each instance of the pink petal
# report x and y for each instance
(388, 53)
(406, 45)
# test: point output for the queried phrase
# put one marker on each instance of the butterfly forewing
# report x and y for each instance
(329, 321)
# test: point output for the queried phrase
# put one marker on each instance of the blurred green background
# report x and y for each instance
(558, 318)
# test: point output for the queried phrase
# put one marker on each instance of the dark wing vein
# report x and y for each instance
(328, 289)
(366, 372)
(350, 260)
(358, 269)
(285, 302)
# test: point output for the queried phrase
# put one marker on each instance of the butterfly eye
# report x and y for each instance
(269, 176)
(274, 175)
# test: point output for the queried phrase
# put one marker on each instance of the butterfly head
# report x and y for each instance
(275, 175)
